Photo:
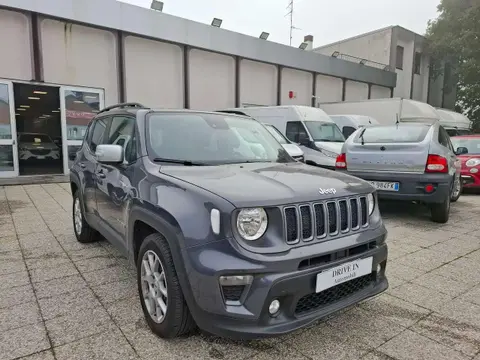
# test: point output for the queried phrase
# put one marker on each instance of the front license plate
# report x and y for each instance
(387, 186)
(40, 157)
(343, 273)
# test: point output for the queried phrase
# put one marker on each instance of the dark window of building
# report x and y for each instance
(417, 63)
(399, 64)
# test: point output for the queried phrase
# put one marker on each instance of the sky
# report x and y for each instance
(327, 20)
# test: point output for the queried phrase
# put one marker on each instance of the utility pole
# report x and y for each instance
(290, 14)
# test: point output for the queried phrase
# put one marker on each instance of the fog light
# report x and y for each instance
(474, 170)
(429, 188)
(274, 307)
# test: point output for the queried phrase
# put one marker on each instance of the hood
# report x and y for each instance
(37, 146)
(269, 184)
(335, 147)
(292, 149)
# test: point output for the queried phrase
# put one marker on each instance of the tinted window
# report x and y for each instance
(98, 133)
(211, 139)
(294, 128)
(393, 134)
(324, 131)
(348, 130)
(120, 133)
(417, 63)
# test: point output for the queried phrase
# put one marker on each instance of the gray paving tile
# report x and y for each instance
(126, 311)
(12, 266)
(376, 355)
(421, 296)
(442, 284)
(59, 286)
(78, 324)
(60, 305)
(110, 345)
(11, 255)
(473, 295)
(118, 290)
(108, 275)
(19, 315)
(42, 239)
(359, 325)
(279, 351)
(403, 272)
(461, 311)
(8, 243)
(23, 341)
(16, 295)
(395, 310)
(412, 346)
(426, 259)
(96, 263)
(14, 280)
(88, 253)
(55, 272)
(457, 335)
(44, 355)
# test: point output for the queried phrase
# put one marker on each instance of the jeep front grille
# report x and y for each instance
(306, 222)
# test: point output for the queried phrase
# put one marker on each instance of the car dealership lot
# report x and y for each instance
(60, 299)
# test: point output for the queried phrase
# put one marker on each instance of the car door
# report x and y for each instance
(114, 197)
(86, 164)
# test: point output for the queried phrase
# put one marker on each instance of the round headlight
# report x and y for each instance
(472, 162)
(371, 203)
(252, 223)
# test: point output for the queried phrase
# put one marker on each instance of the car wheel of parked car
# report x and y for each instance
(457, 190)
(441, 212)
(83, 232)
(163, 304)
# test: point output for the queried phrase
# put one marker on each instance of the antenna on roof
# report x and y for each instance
(398, 121)
(290, 13)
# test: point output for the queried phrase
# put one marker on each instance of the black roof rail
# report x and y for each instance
(122, 105)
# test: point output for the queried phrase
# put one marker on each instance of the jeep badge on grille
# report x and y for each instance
(327, 191)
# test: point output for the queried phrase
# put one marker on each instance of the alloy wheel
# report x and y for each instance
(77, 216)
(154, 286)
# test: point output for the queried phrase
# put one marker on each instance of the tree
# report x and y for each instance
(455, 35)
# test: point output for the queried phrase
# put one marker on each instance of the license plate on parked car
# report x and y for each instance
(343, 273)
(387, 186)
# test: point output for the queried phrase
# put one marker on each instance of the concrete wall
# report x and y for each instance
(258, 83)
(380, 92)
(328, 89)
(404, 76)
(15, 57)
(355, 91)
(374, 46)
(154, 73)
(300, 82)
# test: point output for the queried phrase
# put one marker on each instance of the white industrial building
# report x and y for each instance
(396, 48)
(63, 60)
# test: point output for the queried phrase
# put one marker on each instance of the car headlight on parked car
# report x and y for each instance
(472, 162)
(252, 223)
(328, 153)
(371, 203)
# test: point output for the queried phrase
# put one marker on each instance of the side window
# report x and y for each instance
(97, 134)
(294, 129)
(121, 133)
(347, 131)
(443, 137)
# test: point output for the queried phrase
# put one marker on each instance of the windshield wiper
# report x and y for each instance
(176, 161)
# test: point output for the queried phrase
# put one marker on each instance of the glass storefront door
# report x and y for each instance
(8, 131)
(78, 106)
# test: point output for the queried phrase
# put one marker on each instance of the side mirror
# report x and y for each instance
(461, 150)
(109, 154)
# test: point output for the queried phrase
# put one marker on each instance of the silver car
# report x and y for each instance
(413, 161)
(35, 146)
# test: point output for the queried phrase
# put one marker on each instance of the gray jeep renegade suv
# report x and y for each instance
(225, 229)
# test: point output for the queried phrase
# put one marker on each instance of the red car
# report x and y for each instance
(468, 150)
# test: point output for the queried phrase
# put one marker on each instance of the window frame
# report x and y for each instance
(399, 60)
(417, 63)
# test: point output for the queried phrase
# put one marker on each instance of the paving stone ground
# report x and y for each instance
(63, 300)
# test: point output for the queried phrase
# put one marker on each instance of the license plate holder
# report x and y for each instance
(343, 273)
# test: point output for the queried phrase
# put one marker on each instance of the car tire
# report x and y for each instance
(441, 212)
(457, 190)
(83, 231)
(175, 318)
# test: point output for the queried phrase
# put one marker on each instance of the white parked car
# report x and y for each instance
(36, 146)
(291, 148)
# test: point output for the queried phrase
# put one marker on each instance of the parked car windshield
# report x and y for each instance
(392, 134)
(277, 134)
(472, 144)
(324, 131)
(210, 139)
(35, 138)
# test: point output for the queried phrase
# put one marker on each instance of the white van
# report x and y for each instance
(291, 148)
(349, 123)
(311, 128)
(454, 122)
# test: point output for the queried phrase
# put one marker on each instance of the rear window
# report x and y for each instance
(393, 134)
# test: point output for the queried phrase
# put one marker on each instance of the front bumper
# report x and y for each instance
(470, 180)
(28, 155)
(411, 186)
(287, 281)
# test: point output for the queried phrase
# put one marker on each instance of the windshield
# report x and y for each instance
(472, 144)
(277, 134)
(393, 134)
(35, 138)
(205, 139)
(324, 131)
